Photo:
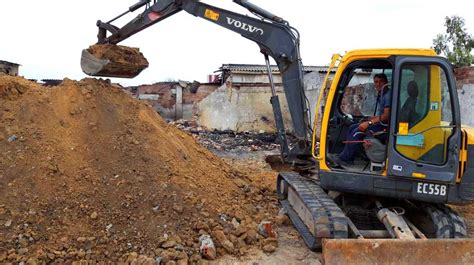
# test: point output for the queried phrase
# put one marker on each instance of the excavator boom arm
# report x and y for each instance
(273, 35)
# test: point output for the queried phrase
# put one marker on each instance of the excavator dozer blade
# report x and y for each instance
(397, 251)
(110, 60)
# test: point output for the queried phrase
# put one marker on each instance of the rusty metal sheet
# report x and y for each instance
(395, 251)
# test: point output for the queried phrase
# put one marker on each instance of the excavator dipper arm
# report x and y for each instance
(273, 35)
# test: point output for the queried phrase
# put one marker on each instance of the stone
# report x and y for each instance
(94, 215)
(178, 208)
(32, 261)
(169, 244)
(228, 246)
(240, 230)
(235, 223)
(22, 251)
(220, 236)
(269, 248)
(252, 236)
(183, 261)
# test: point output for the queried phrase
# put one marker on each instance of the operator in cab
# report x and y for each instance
(358, 131)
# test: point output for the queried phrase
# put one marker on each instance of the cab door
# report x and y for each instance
(425, 124)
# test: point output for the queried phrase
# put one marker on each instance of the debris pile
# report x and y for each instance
(88, 173)
(227, 140)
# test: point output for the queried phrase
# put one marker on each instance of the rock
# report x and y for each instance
(207, 248)
(169, 244)
(271, 241)
(22, 251)
(12, 257)
(178, 208)
(8, 223)
(220, 236)
(235, 223)
(168, 255)
(162, 240)
(132, 257)
(240, 230)
(12, 138)
(269, 248)
(32, 261)
(182, 262)
(228, 246)
(180, 255)
(94, 215)
(252, 236)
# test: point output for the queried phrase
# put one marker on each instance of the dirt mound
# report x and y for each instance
(118, 53)
(87, 172)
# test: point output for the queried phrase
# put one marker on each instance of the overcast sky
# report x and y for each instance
(46, 37)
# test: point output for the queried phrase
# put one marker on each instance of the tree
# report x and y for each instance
(456, 44)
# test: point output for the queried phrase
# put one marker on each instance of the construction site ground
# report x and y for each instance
(291, 247)
(88, 173)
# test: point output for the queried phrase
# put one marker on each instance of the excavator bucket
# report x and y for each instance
(396, 251)
(110, 60)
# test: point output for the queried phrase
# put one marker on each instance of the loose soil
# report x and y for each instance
(119, 54)
(87, 172)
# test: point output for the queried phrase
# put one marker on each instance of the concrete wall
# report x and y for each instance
(246, 107)
(465, 83)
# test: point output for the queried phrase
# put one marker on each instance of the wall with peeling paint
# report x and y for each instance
(247, 107)
(465, 83)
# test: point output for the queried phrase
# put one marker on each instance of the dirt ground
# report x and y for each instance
(291, 247)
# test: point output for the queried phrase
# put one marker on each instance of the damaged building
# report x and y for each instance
(237, 99)
(9, 68)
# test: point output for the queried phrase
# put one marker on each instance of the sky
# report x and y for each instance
(46, 37)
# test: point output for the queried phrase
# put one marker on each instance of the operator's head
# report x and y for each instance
(380, 80)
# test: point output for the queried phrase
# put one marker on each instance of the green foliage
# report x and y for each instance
(456, 44)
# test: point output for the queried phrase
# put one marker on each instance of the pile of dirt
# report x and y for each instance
(119, 54)
(87, 172)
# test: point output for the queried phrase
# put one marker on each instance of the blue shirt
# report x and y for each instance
(384, 101)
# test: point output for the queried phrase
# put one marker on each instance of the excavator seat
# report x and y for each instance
(408, 111)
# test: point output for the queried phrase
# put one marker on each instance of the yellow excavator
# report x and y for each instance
(389, 205)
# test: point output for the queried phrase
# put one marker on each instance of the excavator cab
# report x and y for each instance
(422, 139)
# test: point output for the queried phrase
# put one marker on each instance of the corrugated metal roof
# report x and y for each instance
(9, 63)
(256, 68)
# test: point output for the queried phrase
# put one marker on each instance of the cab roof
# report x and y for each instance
(384, 53)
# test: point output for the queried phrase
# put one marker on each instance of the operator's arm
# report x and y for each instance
(384, 118)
